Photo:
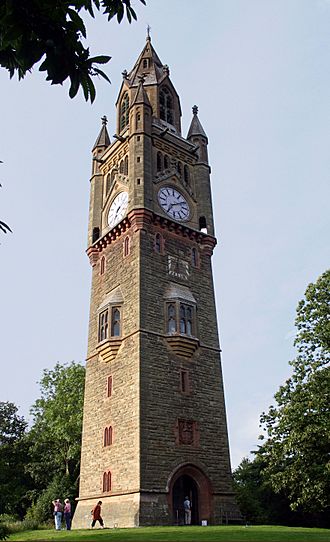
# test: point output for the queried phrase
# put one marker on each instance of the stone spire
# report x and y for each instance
(103, 139)
(196, 129)
(141, 97)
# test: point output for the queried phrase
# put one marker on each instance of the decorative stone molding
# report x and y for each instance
(182, 345)
(93, 254)
(108, 349)
(140, 219)
(208, 243)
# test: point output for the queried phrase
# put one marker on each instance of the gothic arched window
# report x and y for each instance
(107, 437)
(115, 322)
(124, 111)
(103, 325)
(166, 105)
(108, 183)
(126, 246)
(158, 243)
(102, 265)
(159, 161)
(166, 162)
(171, 319)
(126, 165)
(194, 257)
(121, 167)
(182, 319)
(179, 169)
(186, 175)
(106, 482)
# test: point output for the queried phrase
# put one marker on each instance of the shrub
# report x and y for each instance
(4, 531)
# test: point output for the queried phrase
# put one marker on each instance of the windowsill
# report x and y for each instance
(108, 348)
(182, 345)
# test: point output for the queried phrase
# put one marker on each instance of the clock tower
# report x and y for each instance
(154, 427)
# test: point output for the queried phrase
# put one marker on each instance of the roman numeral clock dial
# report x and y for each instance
(118, 209)
(173, 203)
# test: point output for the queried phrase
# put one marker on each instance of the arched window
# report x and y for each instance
(115, 322)
(103, 325)
(121, 167)
(182, 319)
(166, 105)
(126, 165)
(145, 63)
(189, 317)
(179, 169)
(102, 265)
(186, 175)
(194, 257)
(171, 319)
(126, 246)
(108, 184)
(95, 234)
(166, 162)
(106, 482)
(202, 224)
(124, 111)
(158, 243)
(137, 120)
(159, 161)
(107, 438)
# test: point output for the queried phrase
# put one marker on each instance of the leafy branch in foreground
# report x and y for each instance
(296, 453)
(52, 31)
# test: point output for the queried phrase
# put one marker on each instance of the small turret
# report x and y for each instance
(103, 139)
(197, 135)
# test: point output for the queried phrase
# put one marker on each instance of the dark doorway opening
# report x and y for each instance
(183, 487)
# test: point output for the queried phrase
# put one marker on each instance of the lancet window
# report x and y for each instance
(124, 111)
(166, 105)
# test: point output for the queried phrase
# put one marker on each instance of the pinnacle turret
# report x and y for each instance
(196, 129)
(103, 139)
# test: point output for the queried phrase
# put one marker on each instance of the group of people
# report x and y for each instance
(61, 510)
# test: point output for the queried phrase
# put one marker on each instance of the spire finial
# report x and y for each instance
(195, 109)
(148, 33)
(104, 120)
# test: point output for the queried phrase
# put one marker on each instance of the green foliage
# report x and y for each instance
(13, 453)
(55, 437)
(296, 454)
(4, 531)
(52, 31)
(61, 487)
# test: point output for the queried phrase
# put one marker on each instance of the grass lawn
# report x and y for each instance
(259, 533)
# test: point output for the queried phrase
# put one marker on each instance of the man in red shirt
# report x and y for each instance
(96, 515)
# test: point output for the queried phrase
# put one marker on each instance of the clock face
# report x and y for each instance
(117, 209)
(173, 203)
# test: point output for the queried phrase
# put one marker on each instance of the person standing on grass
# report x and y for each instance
(67, 514)
(96, 515)
(58, 514)
(187, 511)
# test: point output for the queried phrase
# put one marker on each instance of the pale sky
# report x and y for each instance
(259, 72)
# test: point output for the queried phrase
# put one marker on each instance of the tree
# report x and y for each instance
(296, 453)
(53, 31)
(14, 482)
(55, 436)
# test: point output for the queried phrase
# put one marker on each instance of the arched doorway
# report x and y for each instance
(185, 486)
(189, 480)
